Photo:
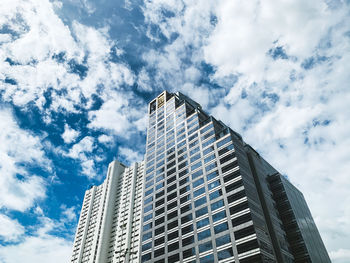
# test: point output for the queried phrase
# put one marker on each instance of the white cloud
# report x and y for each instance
(130, 155)
(10, 229)
(19, 148)
(69, 135)
(82, 151)
(105, 138)
(41, 245)
(47, 54)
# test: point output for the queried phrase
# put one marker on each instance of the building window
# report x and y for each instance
(204, 234)
(220, 241)
(226, 253)
(220, 228)
(202, 223)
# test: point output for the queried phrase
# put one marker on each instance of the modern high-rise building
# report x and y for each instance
(206, 196)
(109, 226)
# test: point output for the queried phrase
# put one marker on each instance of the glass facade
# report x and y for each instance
(202, 202)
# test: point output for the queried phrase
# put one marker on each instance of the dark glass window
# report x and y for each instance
(194, 136)
(159, 230)
(252, 244)
(185, 189)
(186, 218)
(172, 196)
(172, 205)
(226, 149)
(170, 165)
(219, 216)
(159, 252)
(187, 229)
(171, 157)
(236, 196)
(172, 179)
(172, 215)
(200, 201)
(244, 232)
(185, 199)
(172, 225)
(181, 151)
(160, 202)
(189, 253)
(233, 186)
(187, 241)
(173, 258)
(146, 257)
(146, 246)
(220, 228)
(160, 211)
(173, 246)
(231, 176)
(202, 223)
(159, 241)
(184, 181)
(170, 172)
(182, 165)
(204, 234)
(241, 219)
(159, 221)
(186, 208)
(207, 259)
(229, 166)
(227, 158)
(239, 207)
(226, 253)
(171, 188)
(217, 205)
(173, 235)
(182, 173)
(159, 194)
(181, 158)
(220, 241)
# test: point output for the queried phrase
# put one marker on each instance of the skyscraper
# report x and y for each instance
(210, 197)
(109, 225)
(207, 196)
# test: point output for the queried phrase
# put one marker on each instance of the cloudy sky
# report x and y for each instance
(76, 77)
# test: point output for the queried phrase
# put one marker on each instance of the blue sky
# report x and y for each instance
(76, 77)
